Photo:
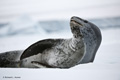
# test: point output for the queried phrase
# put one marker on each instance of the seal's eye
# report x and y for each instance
(85, 21)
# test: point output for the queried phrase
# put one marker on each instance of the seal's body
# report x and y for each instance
(10, 58)
(64, 53)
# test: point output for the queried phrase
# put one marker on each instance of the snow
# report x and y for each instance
(62, 74)
(106, 65)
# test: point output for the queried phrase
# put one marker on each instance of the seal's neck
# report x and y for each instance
(77, 34)
(74, 43)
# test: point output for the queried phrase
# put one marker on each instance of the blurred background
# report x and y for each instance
(48, 16)
(23, 22)
(57, 9)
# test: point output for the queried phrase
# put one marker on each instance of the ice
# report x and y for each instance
(84, 72)
(26, 26)
(23, 25)
(55, 25)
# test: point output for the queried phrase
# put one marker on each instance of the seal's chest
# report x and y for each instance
(65, 57)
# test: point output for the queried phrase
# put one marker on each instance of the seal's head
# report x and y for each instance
(79, 27)
(76, 25)
(89, 33)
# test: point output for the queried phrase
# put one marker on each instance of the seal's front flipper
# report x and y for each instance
(40, 65)
(39, 47)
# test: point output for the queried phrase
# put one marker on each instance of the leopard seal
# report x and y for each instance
(64, 53)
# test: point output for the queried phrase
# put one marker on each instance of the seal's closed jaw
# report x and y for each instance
(73, 22)
(76, 21)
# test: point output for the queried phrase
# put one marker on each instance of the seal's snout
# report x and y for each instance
(78, 19)
(75, 21)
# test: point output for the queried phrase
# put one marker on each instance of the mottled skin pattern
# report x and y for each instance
(64, 55)
(10, 58)
(61, 53)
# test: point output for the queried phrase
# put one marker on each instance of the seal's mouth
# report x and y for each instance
(76, 22)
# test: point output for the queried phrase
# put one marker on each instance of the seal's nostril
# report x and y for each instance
(85, 21)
